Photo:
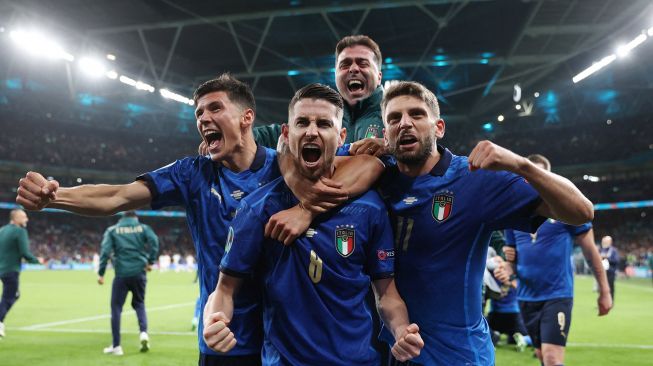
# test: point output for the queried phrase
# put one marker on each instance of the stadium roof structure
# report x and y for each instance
(470, 52)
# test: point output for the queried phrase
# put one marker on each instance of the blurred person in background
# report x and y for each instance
(610, 259)
(14, 246)
(133, 248)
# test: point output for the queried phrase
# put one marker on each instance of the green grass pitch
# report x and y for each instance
(62, 319)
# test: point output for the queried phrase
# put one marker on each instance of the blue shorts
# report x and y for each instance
(547, 321)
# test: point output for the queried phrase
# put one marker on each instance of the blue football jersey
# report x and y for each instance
(314, 289)
(507, 304)
(544, 260)
(443, 222)
(211, 194)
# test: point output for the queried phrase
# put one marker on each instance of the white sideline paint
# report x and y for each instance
(103, 331)
(609, 345)
(104, 316)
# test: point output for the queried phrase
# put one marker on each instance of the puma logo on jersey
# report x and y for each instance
(310, 232)
(409, 200)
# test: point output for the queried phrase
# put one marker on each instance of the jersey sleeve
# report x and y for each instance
(267, 135)
(244, 244)
(497, 242)
(106, 250)
(166, 184)
(380, 253)
(509, 202)
(580, 229)
(153, 243)
(509, 237)
(23, 244)
(343, 150)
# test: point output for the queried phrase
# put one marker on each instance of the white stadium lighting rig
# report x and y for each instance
(176, 97)
(35, 44)
(622, 51)
(38, 45)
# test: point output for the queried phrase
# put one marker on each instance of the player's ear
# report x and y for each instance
(342, 136)
(284, 133)
(439, 128)
(247, 118)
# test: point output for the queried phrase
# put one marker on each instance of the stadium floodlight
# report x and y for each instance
(111, 57)
(536, 94)
(125, 80)
(650, 32)
(136, 84)
(38, 45)
(92, 67)
(112, 74)
(500, 118)
(594, 68)
(517, 106)
(176, 97)
(624, 50)
(143, 86)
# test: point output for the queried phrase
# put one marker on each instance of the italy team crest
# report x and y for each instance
(345, 240)
(442, 206)
(373, 131)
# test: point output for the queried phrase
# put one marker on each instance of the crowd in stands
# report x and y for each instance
(65, 238)
(74, 146)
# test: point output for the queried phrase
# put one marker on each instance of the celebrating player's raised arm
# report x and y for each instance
(392, 309)
(218, 312)
(36, 193)
(561, 199)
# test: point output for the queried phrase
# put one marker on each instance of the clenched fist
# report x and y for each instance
(35, 192)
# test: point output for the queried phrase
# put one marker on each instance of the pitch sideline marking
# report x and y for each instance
(103, 331)
(97, 317)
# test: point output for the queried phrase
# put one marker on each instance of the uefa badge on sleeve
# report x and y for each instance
(345, 240)
(442, 206)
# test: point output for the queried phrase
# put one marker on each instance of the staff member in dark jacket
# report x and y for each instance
(13, 247)
(135, 248)
(610, 258)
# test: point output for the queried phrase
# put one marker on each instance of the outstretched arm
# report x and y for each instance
(393, 312)
(353, 176)
(561, 199)
(35, 193)
(592, 256)
(218, 312)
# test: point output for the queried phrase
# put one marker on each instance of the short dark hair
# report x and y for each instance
(414, 89)
(130, 213)
(360, 40)
(237, 91)
(540, 159)
(317, 91)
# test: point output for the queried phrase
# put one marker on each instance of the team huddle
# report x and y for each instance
(357, 192)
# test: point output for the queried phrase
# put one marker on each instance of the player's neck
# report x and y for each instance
(422, 168)
(243, 156)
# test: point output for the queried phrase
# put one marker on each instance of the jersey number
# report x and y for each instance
(315, 268)
(399, 242)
